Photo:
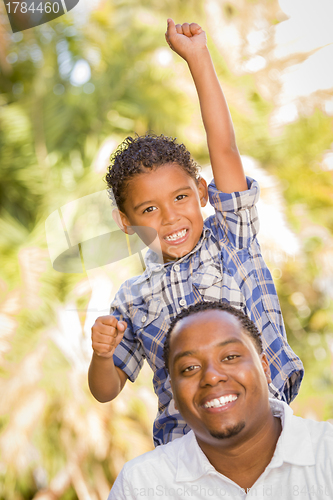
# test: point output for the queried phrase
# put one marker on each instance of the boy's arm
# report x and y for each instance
(105, 379)
(189, 41)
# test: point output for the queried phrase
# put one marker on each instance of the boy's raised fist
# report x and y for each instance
(106, 334)
(185, 39)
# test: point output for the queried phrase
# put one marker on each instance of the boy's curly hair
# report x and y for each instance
(247, 324)
(137, 154)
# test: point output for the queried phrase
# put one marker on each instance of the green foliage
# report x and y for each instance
(51, 130)
(303, 144)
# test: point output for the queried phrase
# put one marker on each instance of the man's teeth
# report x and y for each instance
(176, 236)
(217, 402)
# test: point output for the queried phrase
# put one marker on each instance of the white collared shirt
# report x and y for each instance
(301, 468)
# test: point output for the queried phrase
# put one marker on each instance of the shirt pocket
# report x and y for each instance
(208, 281)
(214, 285)
(146, 313)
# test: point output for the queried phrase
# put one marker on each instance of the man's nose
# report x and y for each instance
(213, 374)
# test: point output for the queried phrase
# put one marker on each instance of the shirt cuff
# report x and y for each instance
(234, 202)
(128, 360)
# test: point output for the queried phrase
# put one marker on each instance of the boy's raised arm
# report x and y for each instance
(189, 41)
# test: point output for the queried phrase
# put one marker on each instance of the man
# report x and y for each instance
(241, 443)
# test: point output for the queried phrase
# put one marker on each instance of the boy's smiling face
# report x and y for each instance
(168, 200)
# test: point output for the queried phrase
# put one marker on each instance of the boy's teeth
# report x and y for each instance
(176, 236)
(223, 400)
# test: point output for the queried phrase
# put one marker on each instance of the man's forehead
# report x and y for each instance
(209, 315)
(212, 321)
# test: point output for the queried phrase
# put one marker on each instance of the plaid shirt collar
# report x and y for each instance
(154, 262)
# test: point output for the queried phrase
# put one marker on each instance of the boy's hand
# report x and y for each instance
(185, 39)
(106, 334)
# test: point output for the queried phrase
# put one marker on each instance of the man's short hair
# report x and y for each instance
(247, 324)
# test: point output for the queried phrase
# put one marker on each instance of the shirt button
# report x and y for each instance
(143, 319)
(176, 267)
(182, 302)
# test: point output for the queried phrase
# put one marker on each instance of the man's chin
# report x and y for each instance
(228, 432)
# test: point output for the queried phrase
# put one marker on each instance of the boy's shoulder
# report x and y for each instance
(140, 285)
(133, 283)
(209, 223)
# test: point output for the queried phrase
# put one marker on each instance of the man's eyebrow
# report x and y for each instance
(183, 354)
(148, 202)
(194, 352)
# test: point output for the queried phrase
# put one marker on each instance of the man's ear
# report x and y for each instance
(173, 398)
(266, 367)
(122, 221)
(203, 191)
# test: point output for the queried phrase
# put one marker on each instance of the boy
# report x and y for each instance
(157, 190)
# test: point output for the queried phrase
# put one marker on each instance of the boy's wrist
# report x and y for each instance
(103, 359)
(198, 57)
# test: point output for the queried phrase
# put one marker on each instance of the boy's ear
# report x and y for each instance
(203, 191)
(122, 221)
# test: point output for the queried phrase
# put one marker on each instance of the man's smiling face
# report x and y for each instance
(168, 200)
(218, 378)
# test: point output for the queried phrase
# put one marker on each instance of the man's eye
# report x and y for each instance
(149, 209)
(230, 357)
(180, 197)
(190, 368)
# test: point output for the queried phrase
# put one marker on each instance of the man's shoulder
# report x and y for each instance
(303, 431)
(282, 409)
(154, 472)
(153, 459)
(320, 432)
(317, 437)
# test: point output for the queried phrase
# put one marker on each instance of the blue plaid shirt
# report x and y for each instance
(225, 265)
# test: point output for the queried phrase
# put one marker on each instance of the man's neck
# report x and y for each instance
(244, 462)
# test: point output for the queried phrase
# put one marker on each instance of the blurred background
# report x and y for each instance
(71, 90)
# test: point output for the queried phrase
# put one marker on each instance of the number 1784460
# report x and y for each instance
(48, 7)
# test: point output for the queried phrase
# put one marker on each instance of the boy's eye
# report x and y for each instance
(180, 197)
(149, 209)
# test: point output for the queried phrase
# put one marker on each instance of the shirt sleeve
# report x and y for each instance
(129, 354)
(236, 213)
(121, 489)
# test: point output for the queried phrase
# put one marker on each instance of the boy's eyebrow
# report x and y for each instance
(147, 202)
(184, 354)
(184, 188)
(143, 203)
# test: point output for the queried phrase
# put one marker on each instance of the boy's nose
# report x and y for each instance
(212, 375)
(169, 216)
